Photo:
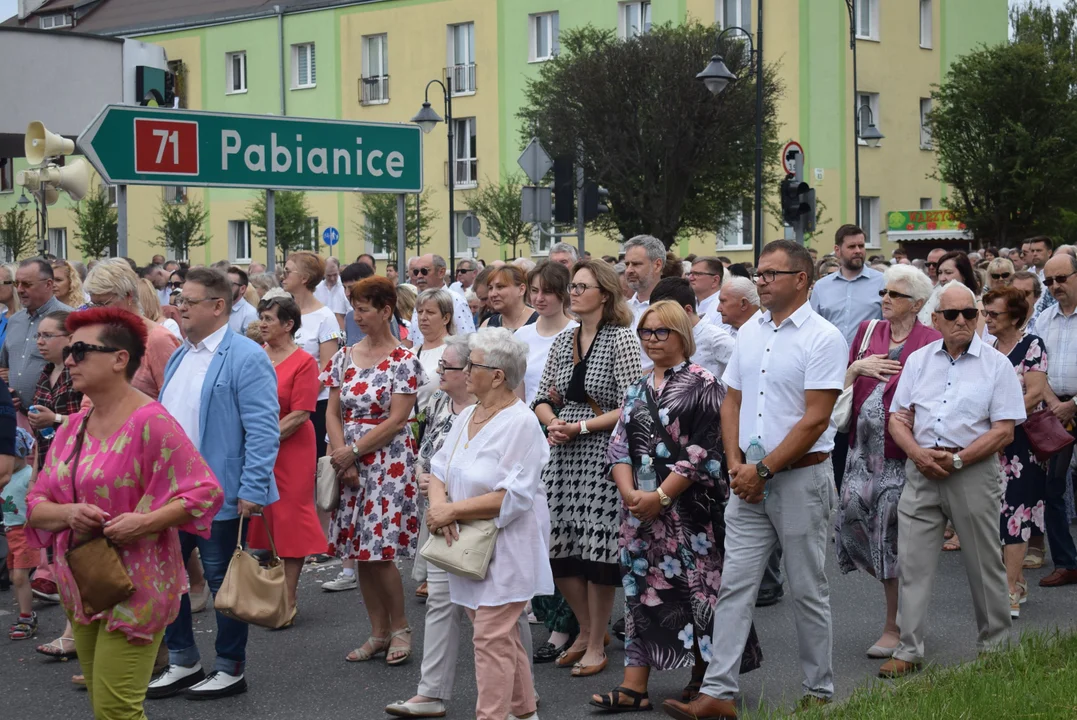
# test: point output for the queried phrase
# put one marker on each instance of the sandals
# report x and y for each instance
(362, 654)
(422, 592)
(23, 628)
(404, 651)
(954, 543)
(1033, 559)
(611, 702)
(62, 648)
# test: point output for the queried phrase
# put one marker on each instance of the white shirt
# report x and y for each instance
(164, 296)
(465, 323)
(774, 366)
(243, 314)
(538, 350)
(333, 298)
(508, 454)
(638, 307)
(171, 326)
(457, 288)
(714, 347)
(314, 329)
(182, 396)
(428, 358)
(955, 401)
(1059, 335)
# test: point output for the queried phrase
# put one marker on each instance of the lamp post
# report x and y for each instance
(716, 76)
(871, 135)
(426, 119)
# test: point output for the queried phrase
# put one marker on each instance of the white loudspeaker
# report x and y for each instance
(73, 179)
(40, 143)
(51, 195)
(29, 179)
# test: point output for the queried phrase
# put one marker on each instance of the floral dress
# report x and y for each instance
(379, 520)
(672, 566)
(1023, 477)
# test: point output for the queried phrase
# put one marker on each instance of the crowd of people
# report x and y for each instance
(676, 428)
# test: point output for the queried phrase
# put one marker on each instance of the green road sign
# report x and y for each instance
(131, 145)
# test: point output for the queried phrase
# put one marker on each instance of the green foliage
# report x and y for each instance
(673, 156)
(378, 227)
(96, 231)
(498, 207)
(17, 234)
(181, 226)
(293, 230)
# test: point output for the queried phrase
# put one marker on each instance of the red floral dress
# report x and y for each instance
(379, 520)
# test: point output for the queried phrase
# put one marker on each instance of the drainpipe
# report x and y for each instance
(280, 53)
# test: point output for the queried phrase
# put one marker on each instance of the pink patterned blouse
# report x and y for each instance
(144, 465)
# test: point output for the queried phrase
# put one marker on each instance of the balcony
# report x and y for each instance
(374, 90)
(467, 174)
(463, 79)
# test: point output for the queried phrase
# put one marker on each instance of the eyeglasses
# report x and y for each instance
(7, 282)
(659, 334)
(769, 276)
(1052, 279)
(49, 336)
(993, 314)
(967, 313)
(1000, 276)
(894, 294)
(468, 365)
(460, 271)
(188, 301)
(581, 288)
(78, 351)
(931, 264)
(694, 273)
(175, 285)
(420, 271)
(442, 367)
(25, 284)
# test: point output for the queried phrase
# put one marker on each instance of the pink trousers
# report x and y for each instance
(502, 668)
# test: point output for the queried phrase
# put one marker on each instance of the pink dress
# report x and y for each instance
(150, 375)
(144, 465)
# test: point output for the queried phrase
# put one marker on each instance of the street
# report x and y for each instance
(301, 673)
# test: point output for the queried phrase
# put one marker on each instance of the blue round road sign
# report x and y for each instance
(330, 236)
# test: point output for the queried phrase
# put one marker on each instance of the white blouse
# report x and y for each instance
(428, 358)
(538, 350)
(508, 453)
(314, 329)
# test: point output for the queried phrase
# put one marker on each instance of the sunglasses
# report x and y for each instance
(967, 313)
(1052, 279)
(78, 350)
(659, 334)
(7, 282)
(696, 273)
(931, 264)
(420, 271)
(175, 285)
(459, 271)
(896, 295)
(1000, 276)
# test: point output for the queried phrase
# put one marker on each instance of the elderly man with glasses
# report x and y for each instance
(465, 276)
(428, 273)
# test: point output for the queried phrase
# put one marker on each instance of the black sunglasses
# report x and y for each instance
(967, 313)
(884, 292)
(931, 264)
(1052, 279)
(660, 334)
(459, 271)
(1000, 276)
(420, 271)
(78, 350)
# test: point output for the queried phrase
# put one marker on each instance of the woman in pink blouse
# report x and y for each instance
(138, 481)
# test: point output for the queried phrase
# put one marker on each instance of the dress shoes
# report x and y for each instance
(217, 685)
(1060, 577)
(174, 680)
(896, 668)
(702, 707)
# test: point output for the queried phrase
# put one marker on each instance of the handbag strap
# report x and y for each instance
(667, 440)
(269, 534)
(75, 468)
(866, 340)
(453, 454)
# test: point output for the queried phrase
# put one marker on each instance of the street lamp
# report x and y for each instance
(426, 119)
(869, 134)
(717, 77)
(23, 201)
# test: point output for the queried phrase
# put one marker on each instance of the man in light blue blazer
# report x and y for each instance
(222, 389)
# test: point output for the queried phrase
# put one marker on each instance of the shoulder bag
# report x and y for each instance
(1046, 434)
(470, 554)
(326, 484)
(843, 408)
(99, 573)
(251, 593)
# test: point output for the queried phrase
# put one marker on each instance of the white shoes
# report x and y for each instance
(173, 680)
(217, 685)
(401, 708)
(878, 652)
(343, 581)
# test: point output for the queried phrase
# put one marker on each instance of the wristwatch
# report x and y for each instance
(958, 463)
(763, 471)
(583, 428)
(355, 451)
(664, 499)
(59, 419)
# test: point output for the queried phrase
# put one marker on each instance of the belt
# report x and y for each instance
(948, 449)
(812, 458)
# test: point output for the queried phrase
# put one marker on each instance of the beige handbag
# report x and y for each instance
(254, 594)
(326, 484)
(469, 555)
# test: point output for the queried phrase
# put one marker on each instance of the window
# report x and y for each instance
(925, 24)
(303, 67)
(869, 220)
(867, 19)
(734, 13)
(236, 70)
(6, 171)
(56, 20)
(635, 19)
(179, 76)
(239, 241)
(314, 235)
(112, 195)
(57, 242)
(927, 204)
(375, 83)
(175, 194)
(736, 231)
(466, 160)
(925, 124)
(462, 58)
(462, 247)
(545, 34)
(867, 117)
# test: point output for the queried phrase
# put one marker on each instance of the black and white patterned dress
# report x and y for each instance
(584, 504)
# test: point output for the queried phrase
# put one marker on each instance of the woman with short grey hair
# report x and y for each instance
(434, 312)
(263, 283)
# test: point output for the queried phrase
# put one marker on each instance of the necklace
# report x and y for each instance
(491, 415)
(900, 340)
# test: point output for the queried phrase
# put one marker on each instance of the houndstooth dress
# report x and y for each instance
(584, 504)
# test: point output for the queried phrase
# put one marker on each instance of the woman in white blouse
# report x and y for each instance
(548, 289)
(434, 309)
(490, 466)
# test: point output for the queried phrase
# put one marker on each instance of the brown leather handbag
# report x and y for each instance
(1046, 434)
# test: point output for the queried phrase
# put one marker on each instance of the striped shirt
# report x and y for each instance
(1059, 335)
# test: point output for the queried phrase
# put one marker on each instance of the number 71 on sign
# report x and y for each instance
(166, 146)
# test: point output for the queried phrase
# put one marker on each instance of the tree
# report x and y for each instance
(673, 156)
(498, 207)
(97, 225)
(293, 230)
(16, 234)
(181, 227)
(378, 227)
(1005, 128)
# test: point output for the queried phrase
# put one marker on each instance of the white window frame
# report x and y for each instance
(314, 230)
(927, 203)
(641, 10)
(229, 72)
(175, 194)
(377, 72)
(737, 226)
(57, 242)
(551, 23)
(926, 141)
(462, 250)
(239, 231)
(311, 80)
(113, 195)
(54, 21)
(871, 8)
(465, 128)
(7, 176)
(926, 24)
(741, 11)
(870, 217)
(461, 67)
(370, 249)
(872, 99)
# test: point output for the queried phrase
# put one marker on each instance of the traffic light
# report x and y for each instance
(595, 201)
(564, 190)
(798, 204)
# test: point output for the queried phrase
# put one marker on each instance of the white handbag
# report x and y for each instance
(326, 484)
(842, 414)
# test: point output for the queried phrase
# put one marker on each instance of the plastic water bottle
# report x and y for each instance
(754, 454)
(646, 479)
(47, 432)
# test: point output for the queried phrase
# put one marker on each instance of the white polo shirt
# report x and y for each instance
(773, 366)
(955, 401)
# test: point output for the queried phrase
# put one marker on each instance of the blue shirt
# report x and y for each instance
(847, 303)
(353, 334)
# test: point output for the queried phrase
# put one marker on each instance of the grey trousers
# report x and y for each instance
(441, 641)
(796, 516)
(970, 499)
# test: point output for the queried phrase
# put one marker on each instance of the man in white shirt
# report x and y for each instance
(739, 301)
(931, 267)
(783, 378)
(952, 472)
(243, 313)
(330, 291)
(1037, 251)
(428, 272)
(706, 276)
(714, 345)
(158, 276)
(645, 257)
(465, 276)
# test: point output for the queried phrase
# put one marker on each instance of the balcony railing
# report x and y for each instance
(463, 78)
(467, 173)
(374, 90)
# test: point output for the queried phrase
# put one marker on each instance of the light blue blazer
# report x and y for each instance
(239, 421)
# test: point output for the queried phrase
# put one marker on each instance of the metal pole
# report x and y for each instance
(401, 235)
(121, 220)
(418, 224)
(44, 219)
(579, 208)
(271, 231)
(758, 234)
(856, 110)
(452, 177)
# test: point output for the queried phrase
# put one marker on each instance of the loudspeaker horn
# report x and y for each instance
(73, 179)
(52, 195)
(40, 143)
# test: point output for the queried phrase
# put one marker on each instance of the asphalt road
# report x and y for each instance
(301, 673)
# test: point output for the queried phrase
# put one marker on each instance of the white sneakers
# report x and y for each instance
(343, 581)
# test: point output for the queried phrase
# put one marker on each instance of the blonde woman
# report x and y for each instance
(151, 308)
(406, 297)
(68, 284)
(9, 299)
